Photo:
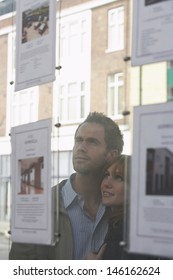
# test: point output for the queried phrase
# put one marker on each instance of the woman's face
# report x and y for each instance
(112, 186)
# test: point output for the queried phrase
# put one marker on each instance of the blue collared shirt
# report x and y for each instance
(88, 233)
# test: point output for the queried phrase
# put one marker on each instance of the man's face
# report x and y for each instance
(90, 151)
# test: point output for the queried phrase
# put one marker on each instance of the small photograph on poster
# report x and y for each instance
(150, 2)
(31, 176)
(35, 22)
(159, 171)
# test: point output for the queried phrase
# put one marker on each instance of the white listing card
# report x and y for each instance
(35, 42)
(152, 29)
(31, 183)
(151, 192)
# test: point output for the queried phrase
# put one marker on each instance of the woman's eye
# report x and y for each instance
(106, 174)
(118, 178)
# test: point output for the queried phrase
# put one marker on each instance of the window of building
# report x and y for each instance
(116, 29)
(5, 187)
(22, 106)
(71, 89)
(73, 37)
(72, 101)
(115, 94)
(7, 6)
(61, 166)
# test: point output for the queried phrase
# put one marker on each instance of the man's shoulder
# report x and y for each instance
(63, 182)
(59, 186)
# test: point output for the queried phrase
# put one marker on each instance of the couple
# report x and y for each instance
(83, 219)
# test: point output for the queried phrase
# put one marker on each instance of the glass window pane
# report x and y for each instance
(62, 106)
(112, 17)
(111, 79)
(111, 101)
(63, 30)
(115, 94)
(120, 78)
(72, 89)
(72, 112)
(23, 114)
(121, 15)
(62, 46)
(73, 45)
(83, 25)
(24, 106)
(83, 42)
(82, 114)
(83, 86)
(116, 29)
(73, 28)
(63, 167)
(62, 90)
(120, 99)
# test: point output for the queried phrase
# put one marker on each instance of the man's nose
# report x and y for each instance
(82, 146)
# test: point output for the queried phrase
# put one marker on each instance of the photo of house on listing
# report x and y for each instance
(159, 171)
(35, 22)
(31, 175)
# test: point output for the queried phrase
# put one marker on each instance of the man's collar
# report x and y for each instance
(69, 195)
(68, 192)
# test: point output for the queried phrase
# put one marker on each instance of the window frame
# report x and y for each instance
(116, 41)
(12, 94)
(115, 84)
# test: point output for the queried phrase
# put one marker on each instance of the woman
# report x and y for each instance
(113, 190)
(113, 196)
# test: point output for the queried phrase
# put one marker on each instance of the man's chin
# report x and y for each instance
(81, 169)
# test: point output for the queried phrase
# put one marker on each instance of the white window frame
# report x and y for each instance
(116, 24)
(14, 98)
(24, 110)
(76, 67)
(68, 33)
(77, 95)
(116, 84)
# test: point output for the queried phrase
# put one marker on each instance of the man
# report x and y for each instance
(82, 217)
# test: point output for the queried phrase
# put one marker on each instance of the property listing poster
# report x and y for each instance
(31, 183)
(151, 191)
(152, 28)
(35, 42)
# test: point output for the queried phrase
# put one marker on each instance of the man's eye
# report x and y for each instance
(78, 140)
(93, 141)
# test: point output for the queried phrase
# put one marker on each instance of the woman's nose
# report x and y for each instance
(107, 182)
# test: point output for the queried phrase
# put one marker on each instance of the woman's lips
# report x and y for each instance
(107, 194)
